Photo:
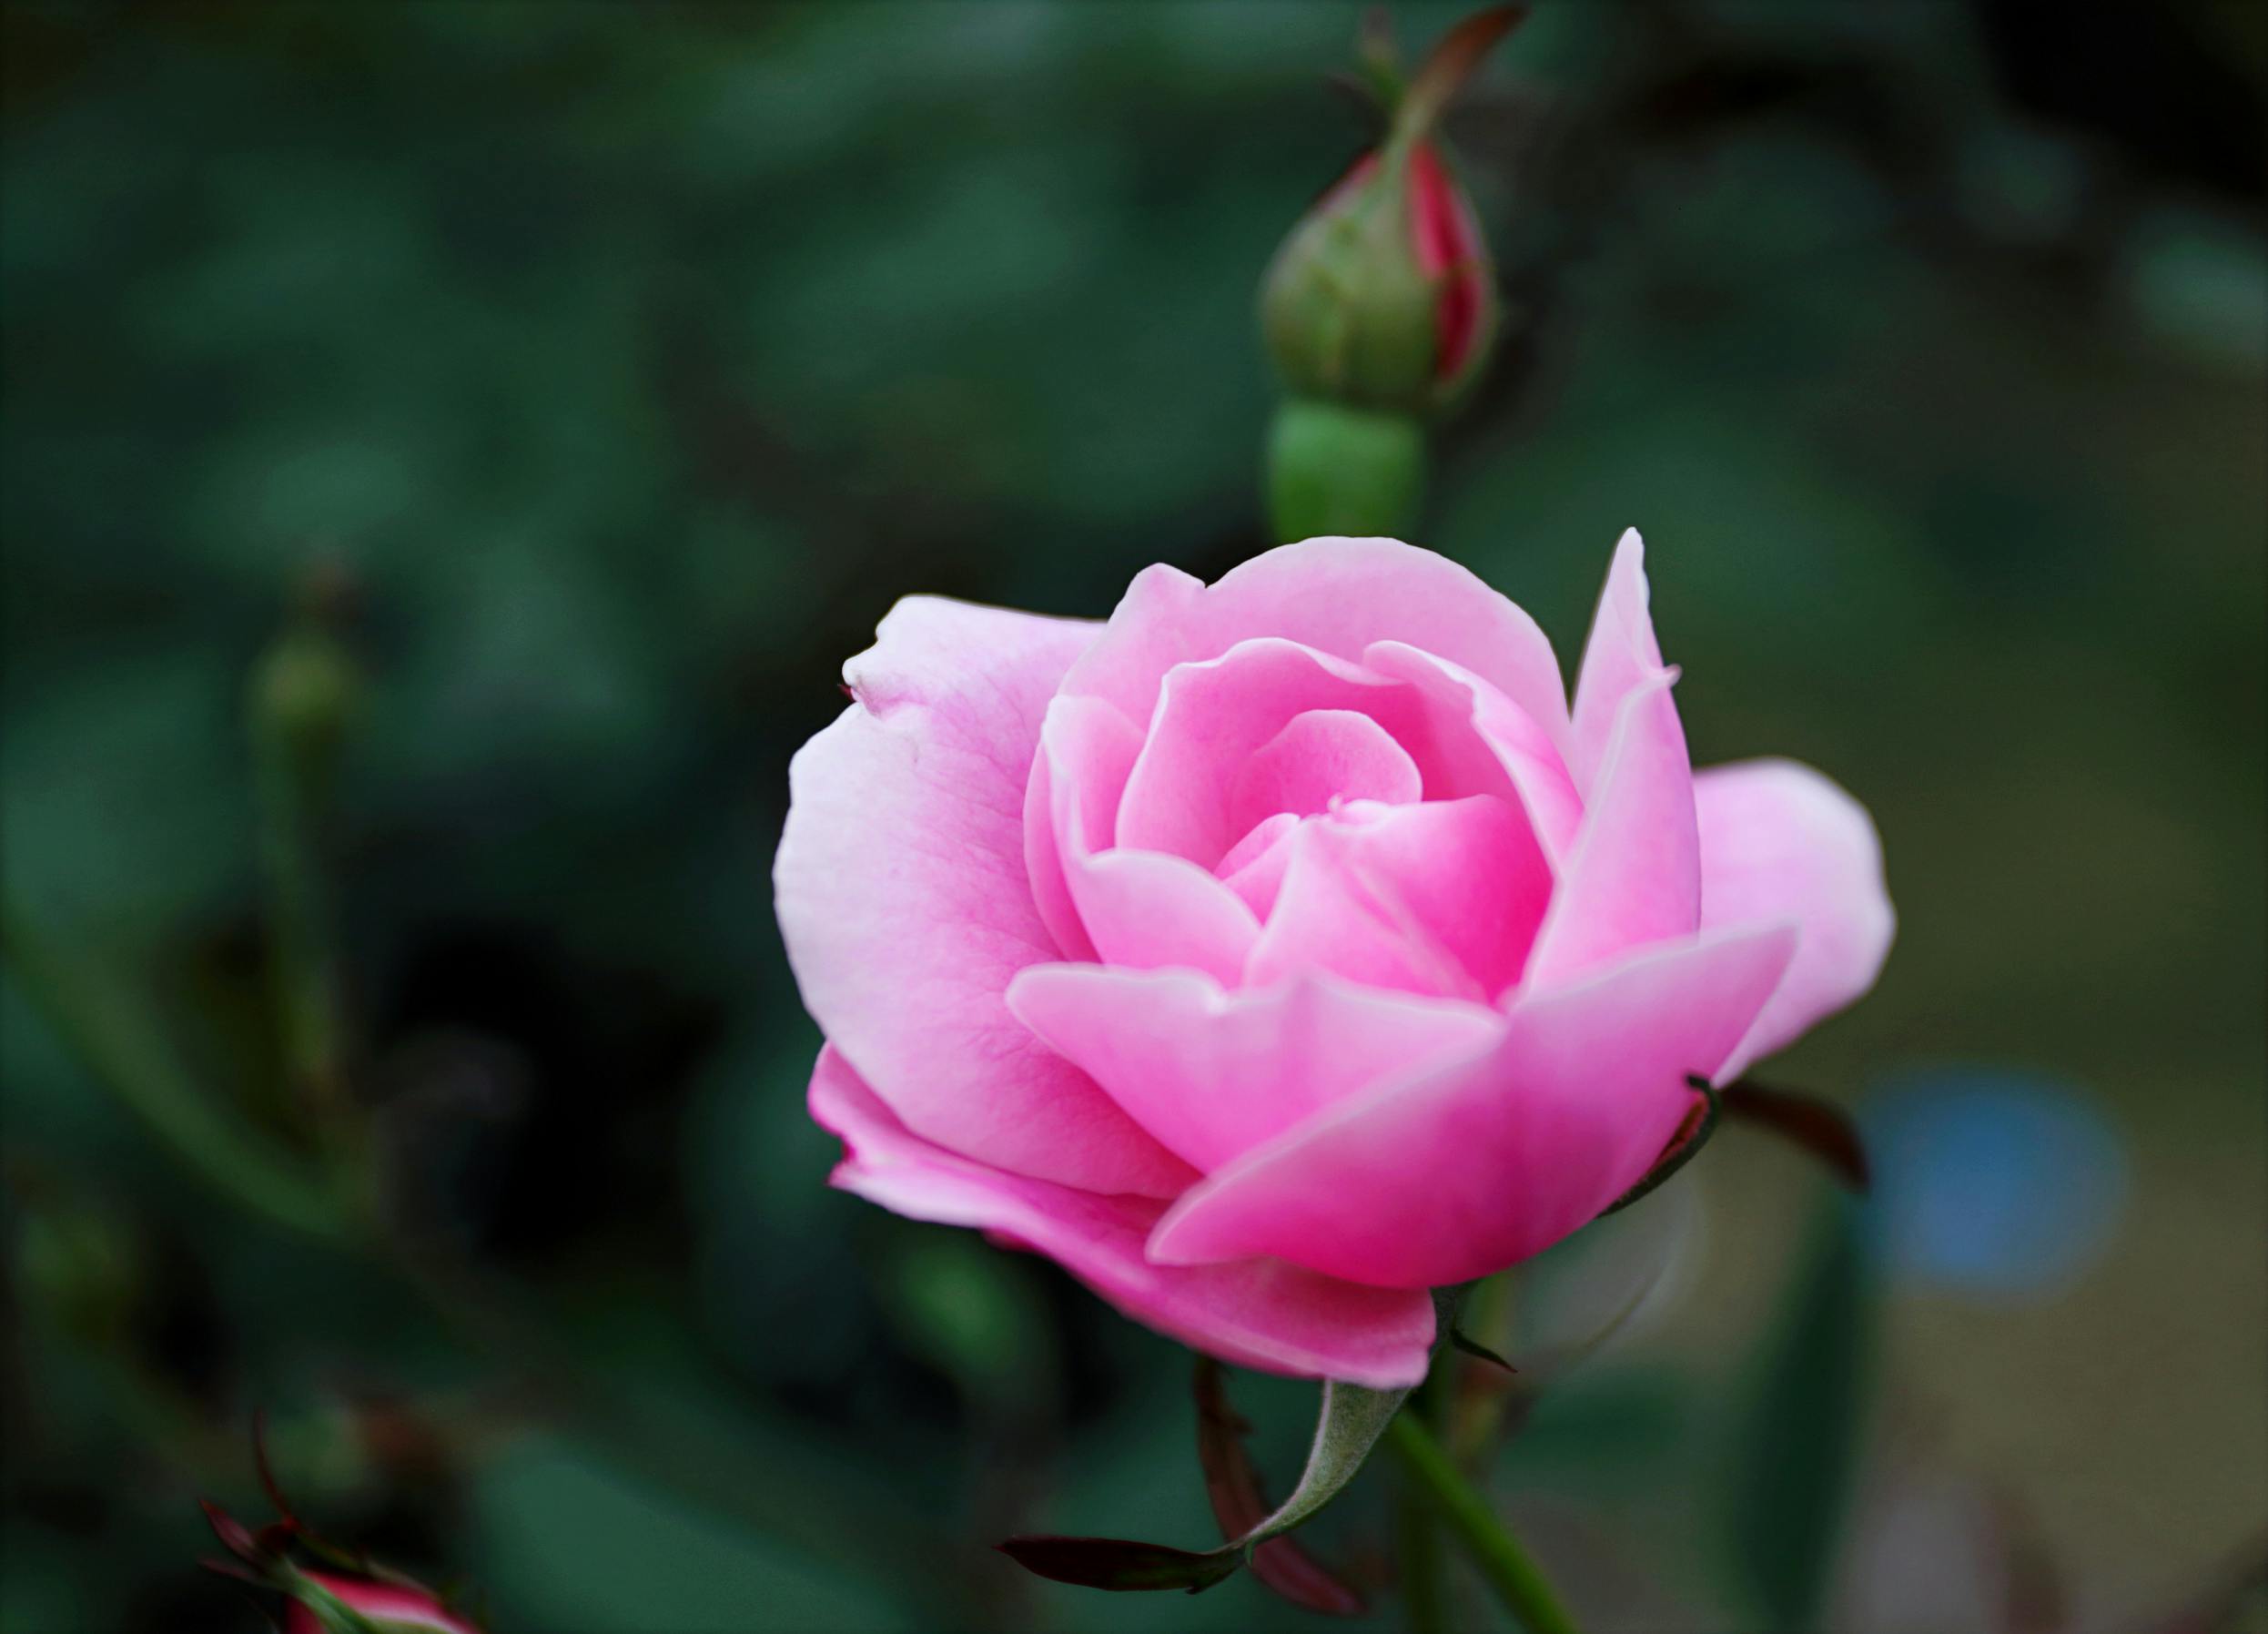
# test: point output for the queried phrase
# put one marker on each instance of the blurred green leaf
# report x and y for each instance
(1798, 1439)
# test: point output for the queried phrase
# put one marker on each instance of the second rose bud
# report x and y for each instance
(1378, 311)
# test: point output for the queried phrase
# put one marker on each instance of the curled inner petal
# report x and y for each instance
(1254, 867)
(1136, 908)
(1439, 898)
(1321, 757)
(1214, 717)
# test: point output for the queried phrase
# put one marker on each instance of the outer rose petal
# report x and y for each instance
(1257, 1313)
(1779, 841)
(1635, 874)
(904, 903)
(1621, 656)
(1444, 1175)
(1213, 1073)
(1336, 595)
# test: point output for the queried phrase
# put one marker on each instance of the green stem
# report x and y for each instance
(301, 699)
(1510, 1570)
(123, 1051)
(1429, 1599)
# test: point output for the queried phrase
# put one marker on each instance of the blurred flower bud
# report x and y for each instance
(1380, 308)
(384, 1607)
(1383, 297)
(353, 1597)
(306, 685)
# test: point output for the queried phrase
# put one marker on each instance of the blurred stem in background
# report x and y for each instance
(125, 1050)
(303, 695)
(305, 692)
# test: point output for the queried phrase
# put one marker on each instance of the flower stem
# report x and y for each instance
(1519, 1583)
(302, 700)
(124, 1049)
(1421, 1567)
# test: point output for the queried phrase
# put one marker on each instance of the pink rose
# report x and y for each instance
(1284, 947)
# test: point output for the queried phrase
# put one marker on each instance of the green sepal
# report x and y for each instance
(1684, 1146)
(1348, 1425)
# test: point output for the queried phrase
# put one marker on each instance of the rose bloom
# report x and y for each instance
(1284, 947)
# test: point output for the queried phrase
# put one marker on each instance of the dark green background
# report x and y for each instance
(636, 357)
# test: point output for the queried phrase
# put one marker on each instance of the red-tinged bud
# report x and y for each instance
(1454, 255)
(384, 1607)
(357, 1597)
(1380, 308)
(1383, 297)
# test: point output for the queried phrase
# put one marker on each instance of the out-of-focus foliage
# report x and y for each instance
(636, 357)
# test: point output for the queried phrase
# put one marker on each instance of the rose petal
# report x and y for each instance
(1213, 718)
(1145, 910)
(1044, 866)
(1320, 757)
(1634, 874)
(1476, 741)
(1212, 1073)
(1454, 1172)
(904, 904)
(1336, 595)
(1780, 841)
(1254, 867)
(1441, 897)
(1621, 656)
(1258, 1313)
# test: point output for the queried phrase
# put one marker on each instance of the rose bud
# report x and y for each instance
(1383, 297)
(1378, 311)
(387, 1607)
(361, 1598)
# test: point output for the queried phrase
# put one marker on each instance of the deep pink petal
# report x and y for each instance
(1320, 758)
(1259, 1314)
(1336, 595)
(1145, 910)
(1621, 656)
(1473, 740)
(1779, 841)
(1212, 1073)
(1458, 1171)
(1213, 718)
(1441, 897)
(906, 907)
(1634, 874)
